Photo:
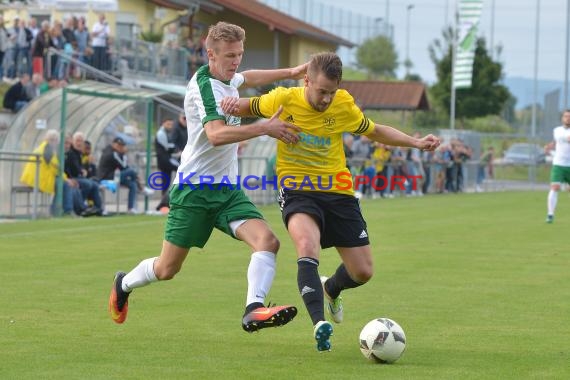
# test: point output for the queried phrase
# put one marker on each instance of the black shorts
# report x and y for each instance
(339, 217)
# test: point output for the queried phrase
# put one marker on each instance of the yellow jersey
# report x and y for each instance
(317, 162)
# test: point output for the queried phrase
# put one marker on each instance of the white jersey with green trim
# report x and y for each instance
(562, 140)
(201, 162)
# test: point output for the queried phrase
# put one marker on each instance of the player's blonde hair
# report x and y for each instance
(224, 31)
(327, 63)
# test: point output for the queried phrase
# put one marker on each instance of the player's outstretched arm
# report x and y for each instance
(254, 78)
(220, 134)
(391, 136)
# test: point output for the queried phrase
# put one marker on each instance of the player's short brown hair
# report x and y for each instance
(224, 31)
(327, 63)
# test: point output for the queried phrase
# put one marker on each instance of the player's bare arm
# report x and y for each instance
(255, 78)
(221, 134)
(391, 136)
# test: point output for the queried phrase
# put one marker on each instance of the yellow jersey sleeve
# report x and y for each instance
(349, 115)
(266, 105)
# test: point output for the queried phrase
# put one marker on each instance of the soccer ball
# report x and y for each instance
(382, 340)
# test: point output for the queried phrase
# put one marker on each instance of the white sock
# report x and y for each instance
(552, 199)
(141, 275)
(260, 275)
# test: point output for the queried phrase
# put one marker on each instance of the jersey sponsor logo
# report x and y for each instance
(290, 119)
(310, 139)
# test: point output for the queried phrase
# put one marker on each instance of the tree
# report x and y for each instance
(486, 96)
(378, 56)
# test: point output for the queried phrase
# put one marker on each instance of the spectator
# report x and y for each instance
(360, 149)
(33, 88)
(100, 34)
(439, 166)
(10, 51)
(169, 49)
(3, 45)
(74, 170)
(484, 161)
(180, 133)
(23, 56)
(88, 160)
(427, 161)
(40, 49)
(16, 97)
(58, 42)
(83, 40)
(48, 171)
(381, 158)
(114, 158)
(165, 149)
(33, 26)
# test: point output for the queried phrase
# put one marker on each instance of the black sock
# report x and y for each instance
(310, 288)
(340, 281)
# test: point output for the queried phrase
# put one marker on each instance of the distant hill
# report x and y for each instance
(523, 90)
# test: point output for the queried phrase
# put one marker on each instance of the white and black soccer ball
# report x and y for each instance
(382, 340)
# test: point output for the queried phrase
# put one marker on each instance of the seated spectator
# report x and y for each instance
(48, 171)
(75, 171)
(88, 160)
(113, 158)
(34, 87)
(16, 97)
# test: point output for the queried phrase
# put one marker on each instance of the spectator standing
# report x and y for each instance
(10, 51)
(3, 44)
(100, 34)
(180, 133)
(23, 57)
(381, 158)
(40, 50)
(486, 158)
(58, 42)
(165, 149)
(82, 39)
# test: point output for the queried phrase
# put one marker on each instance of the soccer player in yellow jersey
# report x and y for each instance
(316, 191)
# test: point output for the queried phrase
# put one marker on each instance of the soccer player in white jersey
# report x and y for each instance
(560, 172)
(211, 153)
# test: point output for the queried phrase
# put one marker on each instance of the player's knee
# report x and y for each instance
(363, 275)
(306, 247)
(267, 242)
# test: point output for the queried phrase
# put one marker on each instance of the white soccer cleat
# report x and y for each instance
(333, 306)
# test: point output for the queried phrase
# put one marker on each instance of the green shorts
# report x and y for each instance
(560, 174)
(194, 214)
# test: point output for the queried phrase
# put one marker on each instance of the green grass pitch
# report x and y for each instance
(479, 283)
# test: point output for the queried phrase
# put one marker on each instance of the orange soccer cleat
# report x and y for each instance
(118, 300)
(272, 316)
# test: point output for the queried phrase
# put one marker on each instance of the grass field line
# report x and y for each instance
(123, 224)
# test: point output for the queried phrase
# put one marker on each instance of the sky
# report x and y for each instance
(514, 29)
